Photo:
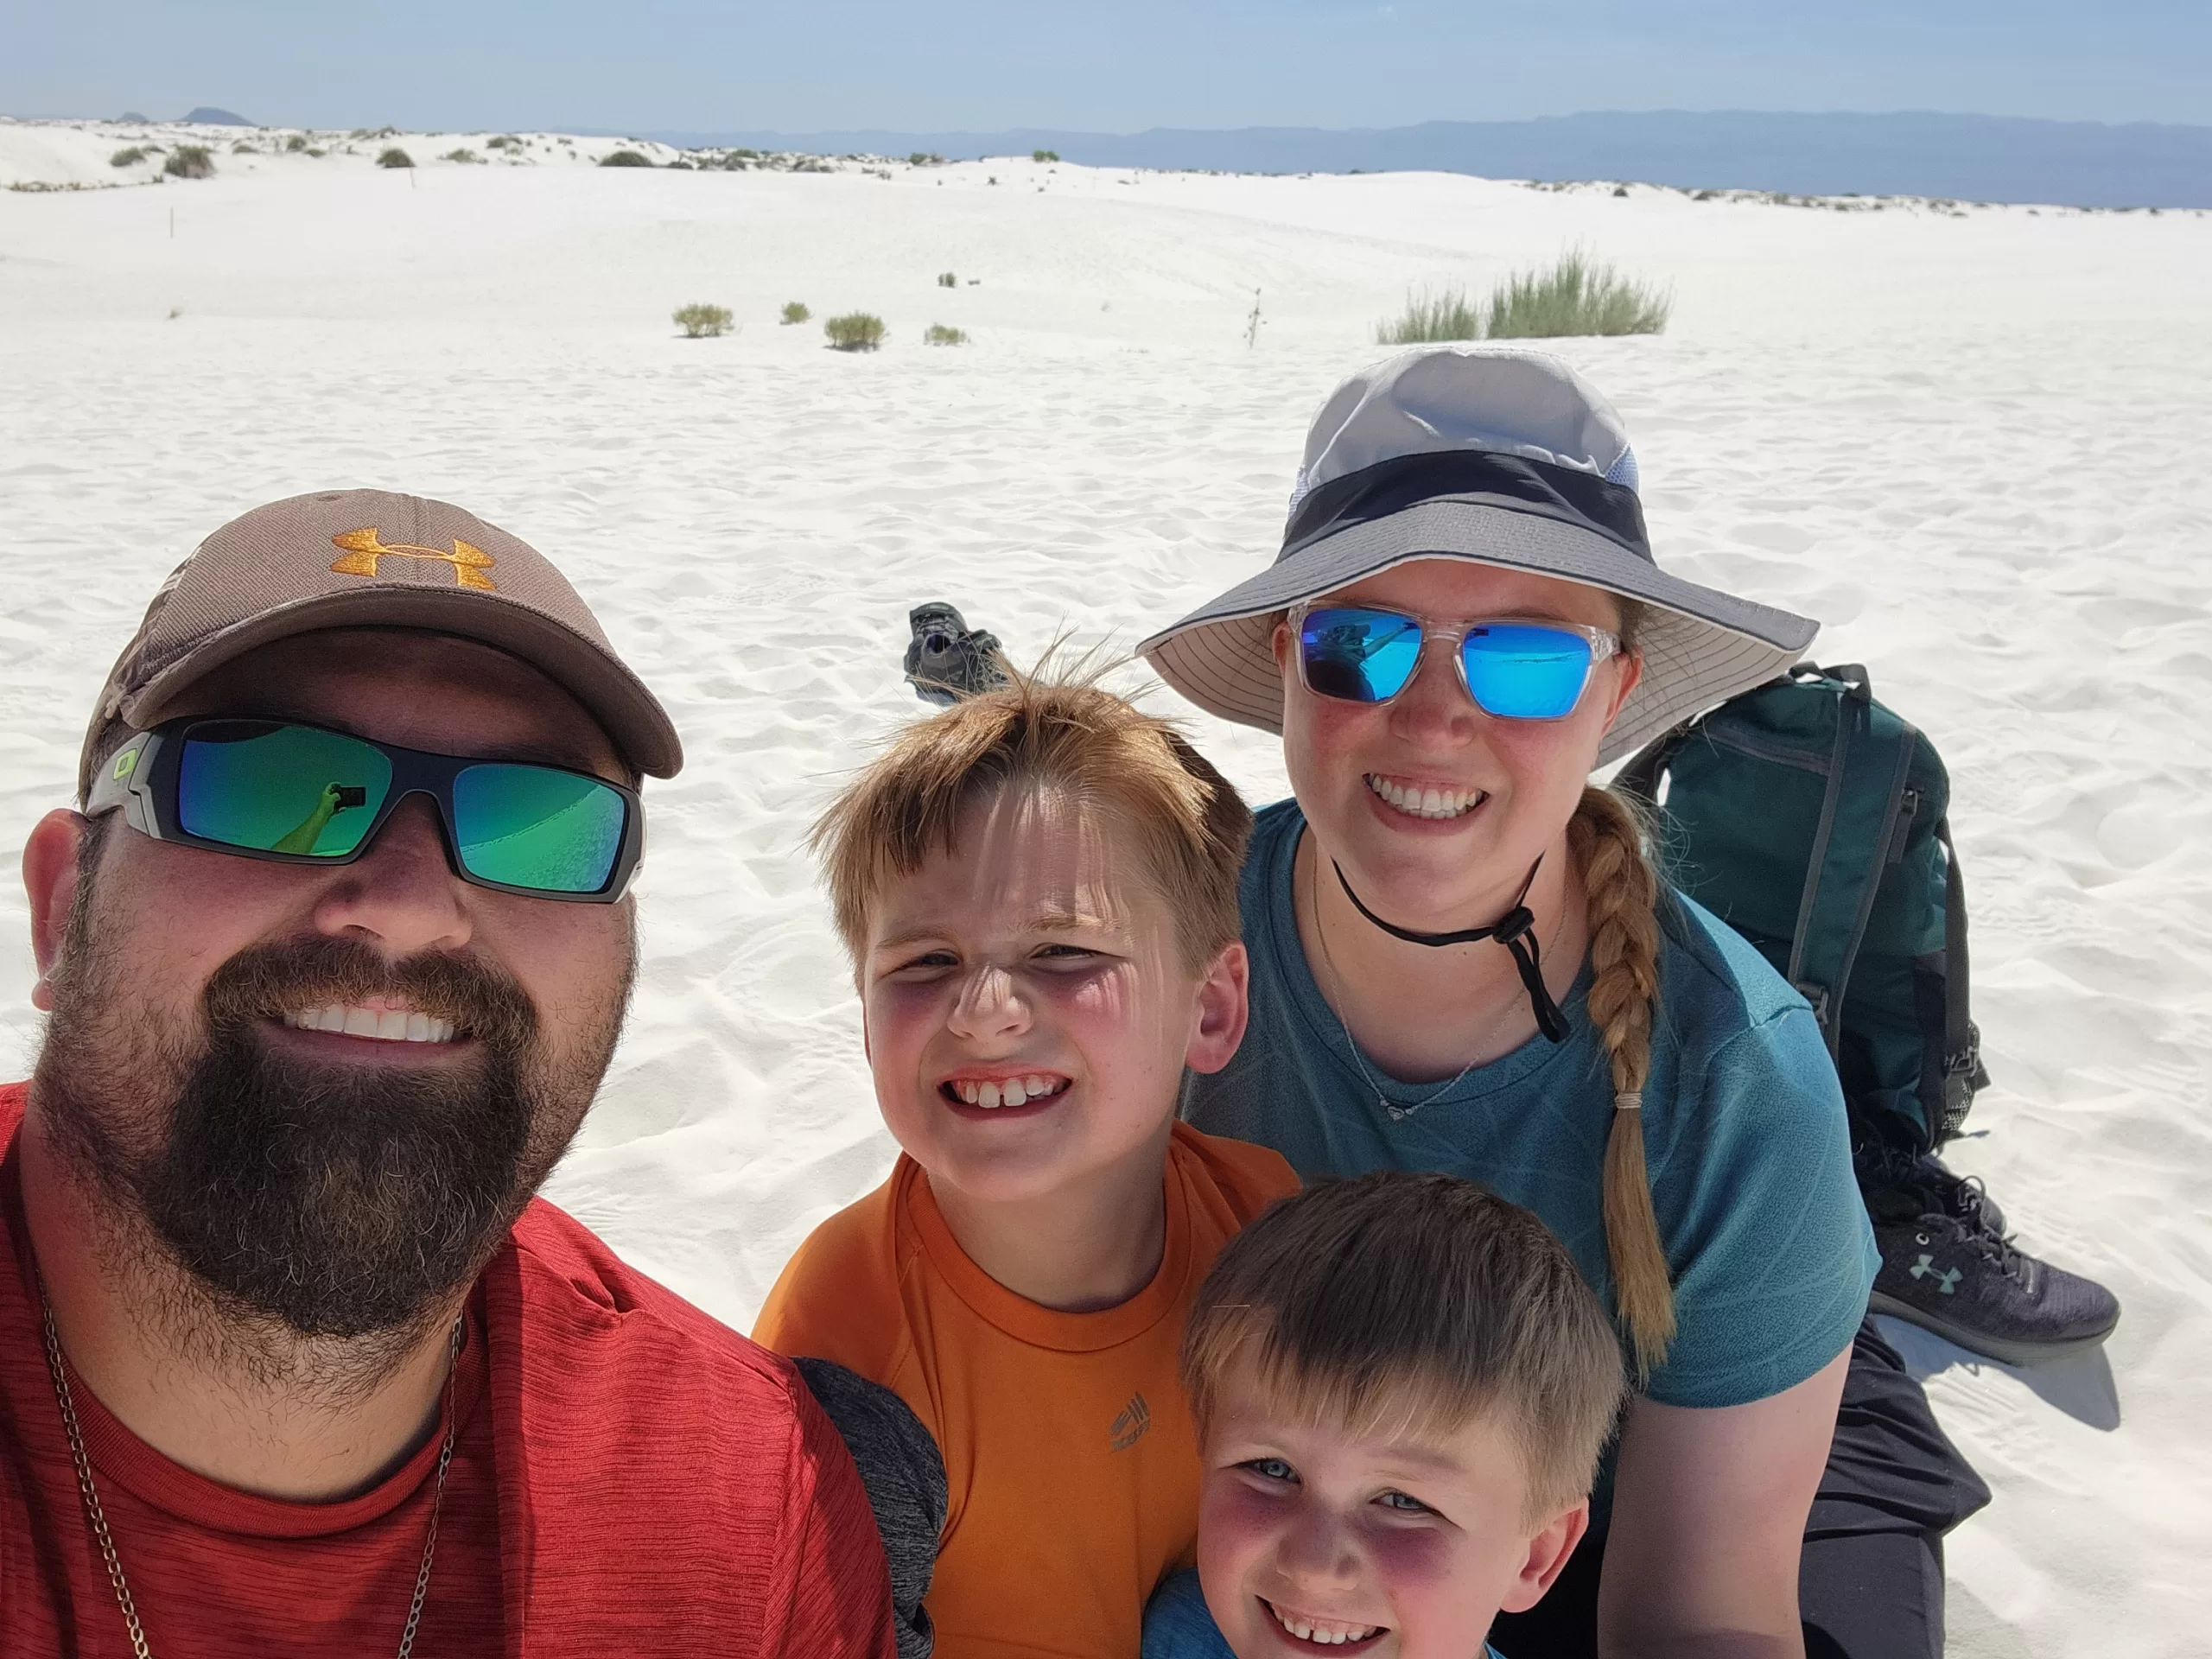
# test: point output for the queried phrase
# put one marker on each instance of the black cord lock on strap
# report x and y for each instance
(1515, 930)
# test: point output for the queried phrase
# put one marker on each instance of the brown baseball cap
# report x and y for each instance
(366, 558)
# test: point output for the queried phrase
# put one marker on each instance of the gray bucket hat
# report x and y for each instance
(1498, 456)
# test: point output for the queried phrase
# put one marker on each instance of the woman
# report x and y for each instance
(1461, 960)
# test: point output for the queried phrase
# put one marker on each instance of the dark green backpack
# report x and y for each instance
(1811, 819)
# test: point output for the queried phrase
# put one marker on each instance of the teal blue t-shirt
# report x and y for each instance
(1744, 1135)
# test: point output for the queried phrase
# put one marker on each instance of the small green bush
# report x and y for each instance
(395, 157)
(946, 279)
(1442, 316)
(297, 143)
(463, 155)
(1043, 154)
(702, 321)
(857, 331)
(1577, 296)
(796, 312)
(501, 141)
(925, 158)
(624, 158)
(317, 154)
(129, 157)
(190, 161)
(938, 334)
(242, 147)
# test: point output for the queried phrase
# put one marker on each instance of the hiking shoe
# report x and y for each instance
(946, 661)
(1949, 1267)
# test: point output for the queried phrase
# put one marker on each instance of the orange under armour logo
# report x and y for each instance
(365, 547)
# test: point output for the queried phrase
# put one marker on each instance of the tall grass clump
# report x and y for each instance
(1576, 296)
(395, 157)
(947, 279)
(796, 312)
(129, 157)
(624, 158)
(190, 161)
(857, 331)
(1443, 314)
(938, 334)
(1043, 154)
(702, 321)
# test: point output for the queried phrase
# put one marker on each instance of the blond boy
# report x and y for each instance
(1039, 891)
(1402, 1386)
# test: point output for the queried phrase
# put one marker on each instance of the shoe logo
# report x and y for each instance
(1130, 1426)
(1947, 1280)
(365, 547)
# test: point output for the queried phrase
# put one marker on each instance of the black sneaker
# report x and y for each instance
(946, 661)
(1949, 1267)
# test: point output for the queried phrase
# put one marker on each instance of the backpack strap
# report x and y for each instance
(1964, 1075)
(1867, 769)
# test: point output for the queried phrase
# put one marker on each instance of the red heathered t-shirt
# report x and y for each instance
(630, 1477)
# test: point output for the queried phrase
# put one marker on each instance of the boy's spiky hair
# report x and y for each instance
(1187, 822)
(1414, 1304)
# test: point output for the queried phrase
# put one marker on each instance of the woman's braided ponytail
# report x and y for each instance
(1622, 896)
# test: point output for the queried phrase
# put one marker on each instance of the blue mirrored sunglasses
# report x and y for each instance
(298, 794)
(1514, 670)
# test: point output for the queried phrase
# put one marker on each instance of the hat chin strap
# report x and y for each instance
(1515, 930)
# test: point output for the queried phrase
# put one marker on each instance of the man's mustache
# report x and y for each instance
(278, 980)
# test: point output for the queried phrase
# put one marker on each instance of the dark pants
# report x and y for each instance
(1870, 1583)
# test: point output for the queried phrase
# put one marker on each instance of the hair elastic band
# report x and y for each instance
(1631, 1100)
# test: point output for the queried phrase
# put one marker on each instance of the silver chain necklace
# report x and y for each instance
(98, 1519)
(1396, 1113)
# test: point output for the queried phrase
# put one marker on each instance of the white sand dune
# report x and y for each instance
(1976, 443)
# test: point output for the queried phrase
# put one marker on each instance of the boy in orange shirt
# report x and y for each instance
(1039, 891)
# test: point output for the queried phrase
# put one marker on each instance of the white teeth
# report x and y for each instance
(1326, 1637)
(1034, 1087)
(1007, 1091)
(1427, 802)
(386, 1025)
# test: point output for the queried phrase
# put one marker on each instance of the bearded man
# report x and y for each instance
(291, 1359)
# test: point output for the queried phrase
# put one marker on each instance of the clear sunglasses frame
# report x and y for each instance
(1434, 631)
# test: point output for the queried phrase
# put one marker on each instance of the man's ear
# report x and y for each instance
(1224, 1008)
(50, 883)
(1547, 1556)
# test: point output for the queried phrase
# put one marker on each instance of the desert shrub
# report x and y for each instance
(946, 279)
(938, 334)
(795, 312)
(190, 161)
(624, 158)
(297, 143)
(857, 331)
(395, 157)
(129, 157)
(702, 321)
(1444, 315)
(242, 147)
(501, 141)
(317, 154)
(1043, 154)
(925, 158)
(463, 155)
(1576, 296)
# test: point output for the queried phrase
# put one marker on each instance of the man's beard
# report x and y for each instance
(325, 1199)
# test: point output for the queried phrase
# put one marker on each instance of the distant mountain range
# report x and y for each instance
(1967, 157)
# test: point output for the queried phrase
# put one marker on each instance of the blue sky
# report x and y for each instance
(1116, 66)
